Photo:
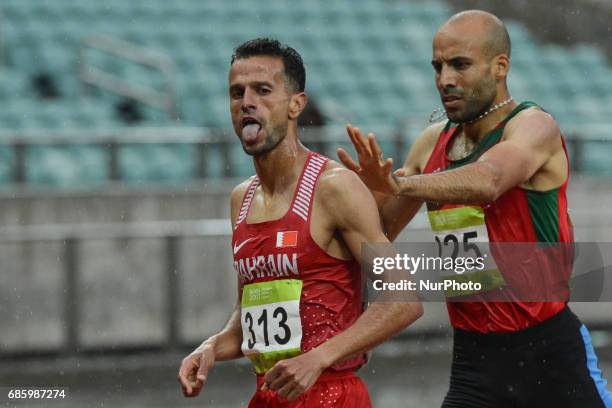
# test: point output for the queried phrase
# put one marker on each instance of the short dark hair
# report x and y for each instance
(295, 72)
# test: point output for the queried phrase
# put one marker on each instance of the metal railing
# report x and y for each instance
(111, 141)
(89, 75)
(323, 140)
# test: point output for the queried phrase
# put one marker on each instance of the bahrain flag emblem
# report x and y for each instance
(286, 239)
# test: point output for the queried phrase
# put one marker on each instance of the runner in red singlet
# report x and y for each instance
(298, 225)
(499, 170)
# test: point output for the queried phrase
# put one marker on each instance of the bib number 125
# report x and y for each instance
(452, 240)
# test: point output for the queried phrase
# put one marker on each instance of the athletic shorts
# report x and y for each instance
(343, 389)
(552, 364)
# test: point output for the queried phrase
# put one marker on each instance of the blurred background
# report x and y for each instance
(117, 158)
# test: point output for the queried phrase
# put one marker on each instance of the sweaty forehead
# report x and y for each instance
(259, 68)
(459, 39)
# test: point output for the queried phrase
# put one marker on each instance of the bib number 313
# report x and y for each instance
(271, 323)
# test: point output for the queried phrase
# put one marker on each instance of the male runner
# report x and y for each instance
(298, 224)
(504, 163)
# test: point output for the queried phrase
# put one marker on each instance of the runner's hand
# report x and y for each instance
(291, 377)
(372, 169)
(193, 372)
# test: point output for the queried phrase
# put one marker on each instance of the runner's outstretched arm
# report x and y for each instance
(529, 144)
(513, 161)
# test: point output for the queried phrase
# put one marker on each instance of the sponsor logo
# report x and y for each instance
(237, 246)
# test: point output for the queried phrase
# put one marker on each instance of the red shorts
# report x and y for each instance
(342, 389)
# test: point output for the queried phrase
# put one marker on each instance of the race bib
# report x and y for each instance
(456, 232)
(271, 323)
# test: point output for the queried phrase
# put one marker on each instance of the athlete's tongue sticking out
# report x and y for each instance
(250, 132)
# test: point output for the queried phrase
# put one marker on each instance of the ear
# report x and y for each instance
(501, 66)
(297, 104)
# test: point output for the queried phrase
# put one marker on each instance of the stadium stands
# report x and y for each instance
(367, 62)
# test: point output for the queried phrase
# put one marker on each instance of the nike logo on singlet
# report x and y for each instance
(238, 247)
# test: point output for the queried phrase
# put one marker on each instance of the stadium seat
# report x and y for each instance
(366, 61)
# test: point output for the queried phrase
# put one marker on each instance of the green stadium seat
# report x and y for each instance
(216, 113)
(51, 166)
(173, 163)
(13, 84)
(92, 162)
(10, 121)
(133, 163)
(366, 61)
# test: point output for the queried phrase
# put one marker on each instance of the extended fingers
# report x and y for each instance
(354, 140)
(388, 166)
(358, 140)
(347, 160)
(374, 147)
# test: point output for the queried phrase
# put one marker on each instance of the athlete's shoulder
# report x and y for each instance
(343, 195)
(429, 137)
(434, 129)
(422, 147)
(237, 195)
(533, 113)
(533, 121)
(239, 190)
(335, 176)
(337, 182)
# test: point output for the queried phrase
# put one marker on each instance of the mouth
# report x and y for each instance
(251, 128)
(450, 101)
(249, 120)
(450, 98)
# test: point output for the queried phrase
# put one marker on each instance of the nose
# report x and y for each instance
(249, 101)
(447, 78)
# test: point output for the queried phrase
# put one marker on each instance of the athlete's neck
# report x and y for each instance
(280, 168)
(476, 131)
